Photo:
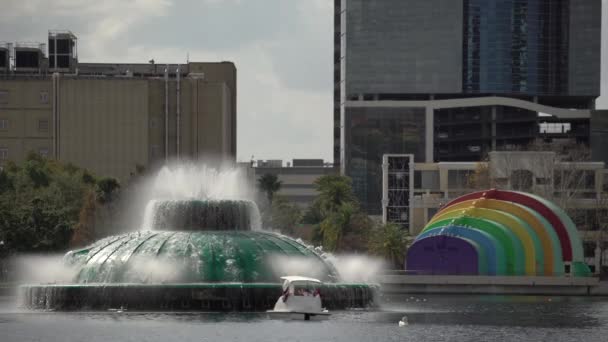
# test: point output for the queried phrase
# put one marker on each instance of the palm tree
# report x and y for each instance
(390, 242)
(335, 225)
(334, 190)
(269, 184)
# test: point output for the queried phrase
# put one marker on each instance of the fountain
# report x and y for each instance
(192, 255)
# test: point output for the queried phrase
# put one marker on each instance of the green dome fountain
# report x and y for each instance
(192, 255)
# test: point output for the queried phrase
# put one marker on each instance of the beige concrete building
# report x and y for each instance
(110, 118)
(297, 177)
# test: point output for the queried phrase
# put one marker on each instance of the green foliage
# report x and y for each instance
(6, 183)
(40, 203)
(335, 224)
(285, 215)
(334, 190)
(36, 169)
(269, 184)
(342, 226)
(105, 189)
(390, 242)
(313, 214)
(88, 178)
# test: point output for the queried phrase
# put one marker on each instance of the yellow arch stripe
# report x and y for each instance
(550, 244)
(520, 231)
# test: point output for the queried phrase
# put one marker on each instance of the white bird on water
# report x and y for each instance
(403, 321)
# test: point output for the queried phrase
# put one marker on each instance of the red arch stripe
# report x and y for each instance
(531, 203)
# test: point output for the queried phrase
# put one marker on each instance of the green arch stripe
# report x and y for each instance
(513, 246)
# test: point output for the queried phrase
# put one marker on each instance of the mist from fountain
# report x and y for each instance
(199, 244)
(180, 182)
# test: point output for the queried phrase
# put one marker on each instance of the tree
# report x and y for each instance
(334, 191)
(601, 224)
(553, 173)
(390, 242)
(285, 215)
(105, 189)
(269, 184)
(342, 226)
(84, 231)
(40, 204)
(313, 214)
(335, 224)
(6, 183)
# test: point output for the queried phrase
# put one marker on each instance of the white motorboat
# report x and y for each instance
(301, 299)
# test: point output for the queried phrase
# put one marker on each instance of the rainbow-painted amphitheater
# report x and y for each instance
(501, 233)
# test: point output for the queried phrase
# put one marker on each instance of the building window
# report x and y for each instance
(4, 124)
(44, 152)
(460, 179)
(3, 96)
(44, 97)
(43, 125)
(3, 153)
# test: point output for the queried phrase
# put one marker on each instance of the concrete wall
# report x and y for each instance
(222, 72)
(404, 46)
(406, 284)
(28, 103)
(110, 125)
(210, 120)
(103, 125)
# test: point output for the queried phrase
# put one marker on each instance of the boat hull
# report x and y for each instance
(298, 316)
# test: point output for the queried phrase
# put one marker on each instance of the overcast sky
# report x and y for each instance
(283, 50)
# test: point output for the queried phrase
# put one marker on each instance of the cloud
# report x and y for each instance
(275, 120)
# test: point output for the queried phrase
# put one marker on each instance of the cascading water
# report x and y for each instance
(201, 215)
(198, 249)
(177, 189)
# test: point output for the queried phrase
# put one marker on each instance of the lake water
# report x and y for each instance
(431, 318)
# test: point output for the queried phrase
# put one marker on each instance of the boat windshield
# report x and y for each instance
(305, 289)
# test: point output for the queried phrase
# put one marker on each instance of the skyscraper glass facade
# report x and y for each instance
(373, 132)
(515, 47)
(397, 61)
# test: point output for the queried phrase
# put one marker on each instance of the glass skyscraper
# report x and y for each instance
(451, 80)
(515, 47)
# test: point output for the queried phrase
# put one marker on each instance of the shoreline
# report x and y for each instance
(487, 285)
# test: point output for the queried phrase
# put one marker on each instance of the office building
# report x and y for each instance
(112, 118)
(452, 80)
(297, 178)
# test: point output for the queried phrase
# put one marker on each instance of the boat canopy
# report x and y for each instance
(292, 281)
